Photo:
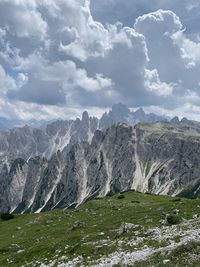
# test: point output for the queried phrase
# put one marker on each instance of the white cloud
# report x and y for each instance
(6, 82)
(21, 18)
(114, 58)
(2, 33)
(167, 50)
(164, 22)
(21, 80)
(20, 110)
(56, 53)
(190, 50)
(153, 84)
(88, 37)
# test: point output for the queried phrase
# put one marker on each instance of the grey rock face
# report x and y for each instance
(159, 158)
(25, 142)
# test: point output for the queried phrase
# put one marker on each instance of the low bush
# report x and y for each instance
(121, 196)
(6, 216)
(173, 219)
(175, 199)
(135, 201)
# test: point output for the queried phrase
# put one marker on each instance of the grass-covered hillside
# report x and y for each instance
(130, 229)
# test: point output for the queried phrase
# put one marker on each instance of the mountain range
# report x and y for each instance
(67, 162)
(118, 112)
(6, 124)
(27, 141)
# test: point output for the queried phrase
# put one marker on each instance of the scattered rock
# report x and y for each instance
(78, 225)
(20, 251)
(49, 221)
(166, 261)
(160, 209)
(149, 221)
(98, 249)
(176, 211)
(125, 227)
(101, 234)
(164, 221)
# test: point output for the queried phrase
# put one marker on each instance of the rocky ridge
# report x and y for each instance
(158, 158)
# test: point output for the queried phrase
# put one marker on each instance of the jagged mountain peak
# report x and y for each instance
(184, 120)
(85, 116)
(140, 112)
(120, 109)
(175, 119)
(26, 142)
(146, 158)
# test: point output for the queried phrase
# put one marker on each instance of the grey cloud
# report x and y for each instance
(38, 91)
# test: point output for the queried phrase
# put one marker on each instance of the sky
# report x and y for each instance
(58, 58)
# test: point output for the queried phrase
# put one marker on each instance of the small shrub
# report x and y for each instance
(110, 194)
(6, 216)
(176, 199)
(121, 196)
(173, 219)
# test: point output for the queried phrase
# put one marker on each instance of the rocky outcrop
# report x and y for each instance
(159, 158)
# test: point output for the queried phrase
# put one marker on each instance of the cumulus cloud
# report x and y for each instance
(65, 53)
(6, 81)
(158, 27)
(114, 60)
(86, 37)
(169, 51)
(54, 83)
(153, 84)
(190, 49)
(164, 22)
(22, 19)
(2, 33)
(127, 11)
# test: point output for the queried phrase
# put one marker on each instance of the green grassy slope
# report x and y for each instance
(92, 232)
